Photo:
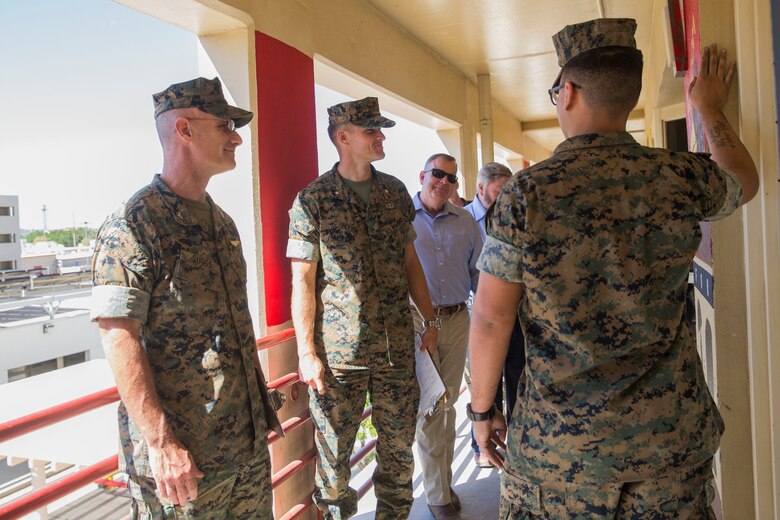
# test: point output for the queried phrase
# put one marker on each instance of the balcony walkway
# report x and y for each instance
(476, 487)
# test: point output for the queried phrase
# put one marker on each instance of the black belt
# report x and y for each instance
(447, 310)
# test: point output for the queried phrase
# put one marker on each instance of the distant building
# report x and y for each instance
(45, 333)
(10, 233)
(40, 256)
(75, 259)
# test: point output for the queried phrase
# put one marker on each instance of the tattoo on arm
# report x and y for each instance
(720, 135)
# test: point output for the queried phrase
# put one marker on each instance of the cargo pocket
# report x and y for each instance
(520, 499)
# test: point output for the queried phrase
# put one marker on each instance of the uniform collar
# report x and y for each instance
(340, 190)
(176, 206)
(579, 142)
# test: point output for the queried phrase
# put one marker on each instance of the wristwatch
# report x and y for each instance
(480, 416)
(427, 324)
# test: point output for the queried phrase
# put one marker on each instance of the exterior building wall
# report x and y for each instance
(47, 262)
(34, 341)
(10, 233)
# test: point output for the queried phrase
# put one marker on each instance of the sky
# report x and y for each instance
(76, 129)
(77, 132)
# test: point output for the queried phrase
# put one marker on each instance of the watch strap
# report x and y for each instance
(481, 416)
(432, 323)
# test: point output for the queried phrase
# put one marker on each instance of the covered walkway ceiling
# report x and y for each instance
(511, 41)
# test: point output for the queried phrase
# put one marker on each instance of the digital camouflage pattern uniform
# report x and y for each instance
(602, 237)
(154, 263)
(615, 418)
(363, 333)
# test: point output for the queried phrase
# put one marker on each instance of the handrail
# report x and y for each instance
(52, 415)
(51, 492)
(36, 421)
(41, 419)
(275, 338)
(298, 509)
(292, 468)
(289, 425)
(47, 494)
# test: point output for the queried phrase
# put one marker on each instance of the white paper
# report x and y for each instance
(432, 391)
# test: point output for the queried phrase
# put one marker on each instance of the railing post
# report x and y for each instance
(38, 480)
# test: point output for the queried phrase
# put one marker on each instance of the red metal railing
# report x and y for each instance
(55, 414)
(56, 490)
(45, 495)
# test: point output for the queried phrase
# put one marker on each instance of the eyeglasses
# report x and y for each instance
(554, 91)
(229, 124)
(440, 174)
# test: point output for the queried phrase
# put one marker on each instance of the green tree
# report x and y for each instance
(65, 236)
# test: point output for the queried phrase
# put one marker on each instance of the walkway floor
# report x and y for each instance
(476, 487)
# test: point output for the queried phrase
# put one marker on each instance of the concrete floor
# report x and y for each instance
(476, 487)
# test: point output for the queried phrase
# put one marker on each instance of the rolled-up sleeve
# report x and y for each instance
(303, 242)
(501, 260)
(502, 252)
(717, 193)
(729, 197)
(121, 274)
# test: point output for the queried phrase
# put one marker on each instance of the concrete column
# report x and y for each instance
(758, 130)
(38, 480)
(485, 117)
(461, 143)
(722, 317)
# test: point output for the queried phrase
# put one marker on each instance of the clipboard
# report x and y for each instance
(433, 393)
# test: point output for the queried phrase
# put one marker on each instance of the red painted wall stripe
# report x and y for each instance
(287, 154)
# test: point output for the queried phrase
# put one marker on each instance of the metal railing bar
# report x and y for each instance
(36, 421)
(290, 424)
(362, 452)
(275, 338)
(297, 510)
(292, 468)
(284, 381)
(47, 494)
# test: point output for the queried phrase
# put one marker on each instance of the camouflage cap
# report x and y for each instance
(576, 39)
(204, 94)
(363, 112)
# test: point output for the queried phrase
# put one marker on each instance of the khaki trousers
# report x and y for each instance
(436, 434)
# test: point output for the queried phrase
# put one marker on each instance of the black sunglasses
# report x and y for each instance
(440, 174)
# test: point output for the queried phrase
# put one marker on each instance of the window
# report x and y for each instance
(7, 265)
(74, 359)
(7, 238)
(6, 211)
(16, 374)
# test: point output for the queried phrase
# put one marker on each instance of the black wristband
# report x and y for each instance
(481, 416)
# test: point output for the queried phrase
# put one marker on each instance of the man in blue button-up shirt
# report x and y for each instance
(490, 179)
(448, 244)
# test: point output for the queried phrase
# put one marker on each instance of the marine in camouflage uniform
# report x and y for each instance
(174, 267)
(350, 243)
(615, 419)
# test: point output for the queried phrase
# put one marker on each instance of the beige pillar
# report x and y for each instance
(461, 143)
(730, 365)
(762, 251)
(485, 117)
(37, 481)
